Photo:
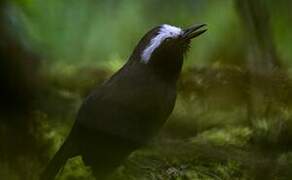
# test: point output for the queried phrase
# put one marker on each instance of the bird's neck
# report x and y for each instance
(167, 69)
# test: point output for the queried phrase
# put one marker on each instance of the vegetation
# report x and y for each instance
(233, 117)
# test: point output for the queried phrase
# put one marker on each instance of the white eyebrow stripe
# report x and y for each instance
(165, 31)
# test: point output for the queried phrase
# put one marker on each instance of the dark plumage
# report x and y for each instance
(129, 109)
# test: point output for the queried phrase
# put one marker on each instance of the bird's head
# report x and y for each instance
(164, 46)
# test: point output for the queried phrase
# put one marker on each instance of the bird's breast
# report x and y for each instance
(147, 109)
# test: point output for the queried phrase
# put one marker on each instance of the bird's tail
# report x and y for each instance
(58, 161)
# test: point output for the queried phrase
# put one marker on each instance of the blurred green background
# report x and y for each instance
(232, 119)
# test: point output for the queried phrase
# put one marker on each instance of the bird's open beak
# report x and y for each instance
(194, 31)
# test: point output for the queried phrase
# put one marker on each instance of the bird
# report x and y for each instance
(128, 110)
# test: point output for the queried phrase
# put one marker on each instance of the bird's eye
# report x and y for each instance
(167, 39)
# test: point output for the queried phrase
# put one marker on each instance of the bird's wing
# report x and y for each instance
(115, 111)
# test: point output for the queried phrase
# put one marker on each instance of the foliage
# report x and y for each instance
(209, 135)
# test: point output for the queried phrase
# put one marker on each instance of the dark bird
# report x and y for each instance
(127, 110)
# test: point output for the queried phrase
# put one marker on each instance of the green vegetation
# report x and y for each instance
(230, 121)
